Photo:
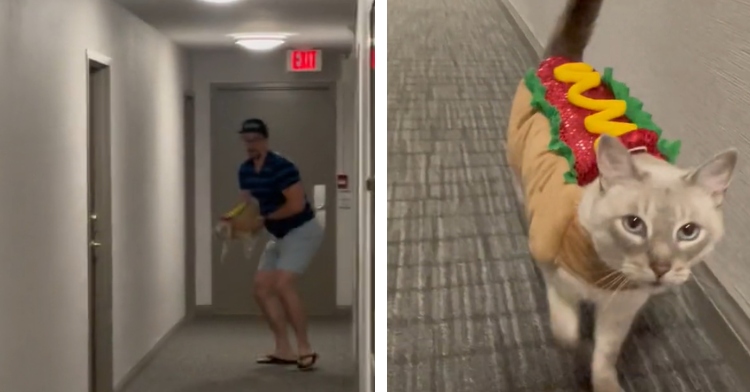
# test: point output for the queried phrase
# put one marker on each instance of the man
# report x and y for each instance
(296, 235)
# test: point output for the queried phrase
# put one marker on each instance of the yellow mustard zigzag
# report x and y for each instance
(234, 212)
(585, 78)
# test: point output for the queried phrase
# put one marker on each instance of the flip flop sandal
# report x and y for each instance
(307, 362)
(274, 360)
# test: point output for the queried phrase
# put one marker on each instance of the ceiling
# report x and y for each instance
(324, 24)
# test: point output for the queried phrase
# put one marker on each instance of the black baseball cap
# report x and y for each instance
(254, 125)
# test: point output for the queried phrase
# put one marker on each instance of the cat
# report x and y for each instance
(242, 223)
(648, 220)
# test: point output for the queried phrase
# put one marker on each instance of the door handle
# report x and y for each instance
(95, 244)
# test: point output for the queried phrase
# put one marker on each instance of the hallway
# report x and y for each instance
(466, 309)
(113, 155)
(217, 354)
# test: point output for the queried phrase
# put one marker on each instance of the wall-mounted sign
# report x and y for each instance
(344, 194)
(342, 182)
(307, 60)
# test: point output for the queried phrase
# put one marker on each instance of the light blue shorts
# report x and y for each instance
(294, 251)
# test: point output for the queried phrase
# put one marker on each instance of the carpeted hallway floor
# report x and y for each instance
(466, 309)
(217, 355)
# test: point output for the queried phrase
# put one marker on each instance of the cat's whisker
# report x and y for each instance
(605, 277)
(623, 282)
(612, 282)
(615, 282)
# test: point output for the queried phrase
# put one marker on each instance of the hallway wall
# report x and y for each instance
(43, 274)
(238, 66)
(691, 67)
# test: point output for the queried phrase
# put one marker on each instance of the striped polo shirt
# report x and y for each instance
(267, 185)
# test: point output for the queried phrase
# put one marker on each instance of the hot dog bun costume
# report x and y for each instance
(558, 113)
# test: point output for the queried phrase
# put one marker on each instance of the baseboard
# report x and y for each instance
(138, 368)
(207, 310)
(532, 42)
(724, 321)
(203, 310)
(343, 310)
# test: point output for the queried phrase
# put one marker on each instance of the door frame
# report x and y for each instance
(189, 164)
(214, 88)
(101, 353)
(365, 219)
(262, 86)
(370, 184)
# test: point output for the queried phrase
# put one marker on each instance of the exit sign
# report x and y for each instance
(304, 61)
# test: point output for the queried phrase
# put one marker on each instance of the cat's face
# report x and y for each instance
(653, 221)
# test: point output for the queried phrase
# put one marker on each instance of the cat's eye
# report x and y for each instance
(688, 232)
(634, 224)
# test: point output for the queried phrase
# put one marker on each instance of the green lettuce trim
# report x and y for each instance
(670, 149)
(539, 102)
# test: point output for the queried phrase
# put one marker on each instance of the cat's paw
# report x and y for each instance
(605, 382)
(609, 386)
(564, 320)
(565, 334)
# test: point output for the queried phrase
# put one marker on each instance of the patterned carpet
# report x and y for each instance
(466, 307)
(217, 354)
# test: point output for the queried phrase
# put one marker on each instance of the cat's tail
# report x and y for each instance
(574, 29)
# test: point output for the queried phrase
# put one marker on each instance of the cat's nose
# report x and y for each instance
(660, 268)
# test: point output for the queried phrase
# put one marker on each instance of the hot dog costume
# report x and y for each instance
(238, 224)
(558, 113)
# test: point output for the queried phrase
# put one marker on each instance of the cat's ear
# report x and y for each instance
(615, 162)
(715, 174)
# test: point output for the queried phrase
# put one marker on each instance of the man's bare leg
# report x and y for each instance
(295, 312)
(268, 300)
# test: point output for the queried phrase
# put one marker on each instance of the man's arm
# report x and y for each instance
(250, 202)
(245, 196)
(289, 182)
(295, 203)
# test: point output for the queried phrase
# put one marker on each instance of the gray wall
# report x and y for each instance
(43, 249)
(239, 66)
(690, 64)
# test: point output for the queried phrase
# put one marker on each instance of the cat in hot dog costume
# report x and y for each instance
(611, 219)
(242, 223)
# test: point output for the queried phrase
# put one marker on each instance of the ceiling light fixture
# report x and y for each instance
(219, 1)
(260, 44)
(260, 41)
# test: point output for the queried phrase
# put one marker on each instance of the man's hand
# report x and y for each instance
(257, 224)
(246, 197)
